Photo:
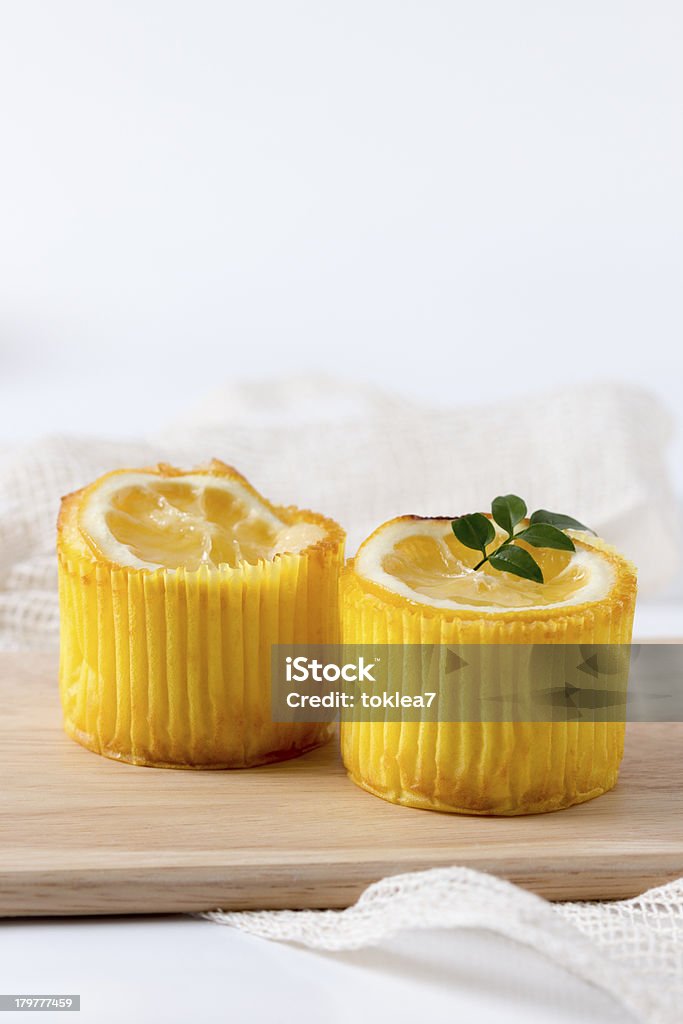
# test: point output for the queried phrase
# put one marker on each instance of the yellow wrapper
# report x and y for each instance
(484, 767)
(171, 668)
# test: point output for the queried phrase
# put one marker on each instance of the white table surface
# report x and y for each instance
(178, 969)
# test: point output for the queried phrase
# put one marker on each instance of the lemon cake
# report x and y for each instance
(413, 581)
(173, 587)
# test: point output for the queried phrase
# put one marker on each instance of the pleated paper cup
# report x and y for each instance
(484, 767)
(172, 668)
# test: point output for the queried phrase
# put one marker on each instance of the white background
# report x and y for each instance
(457, 200)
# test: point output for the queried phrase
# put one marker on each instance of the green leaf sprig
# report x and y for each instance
(545, 530)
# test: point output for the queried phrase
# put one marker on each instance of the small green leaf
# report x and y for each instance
(542, 535)
(518, 562)
(508, 510)
(558, 520)
(474, 531)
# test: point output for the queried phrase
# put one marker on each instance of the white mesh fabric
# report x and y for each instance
(632, 948)
(595, 452)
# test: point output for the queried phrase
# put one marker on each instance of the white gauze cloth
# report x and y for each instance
(595, 452)
(632, 949)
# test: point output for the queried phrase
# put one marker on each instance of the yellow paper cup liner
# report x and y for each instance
(496, 768)
(172, 668)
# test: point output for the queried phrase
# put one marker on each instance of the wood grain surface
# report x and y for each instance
(83, 835)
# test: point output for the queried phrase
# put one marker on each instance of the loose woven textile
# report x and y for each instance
(631, 948)
(598, 453)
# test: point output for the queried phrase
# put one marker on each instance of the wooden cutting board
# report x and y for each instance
(83, 835)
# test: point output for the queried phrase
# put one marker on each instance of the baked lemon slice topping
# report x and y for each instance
(168, 519)
(421, 559)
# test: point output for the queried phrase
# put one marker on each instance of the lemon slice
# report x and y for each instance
(166, 518)
(421, 560)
